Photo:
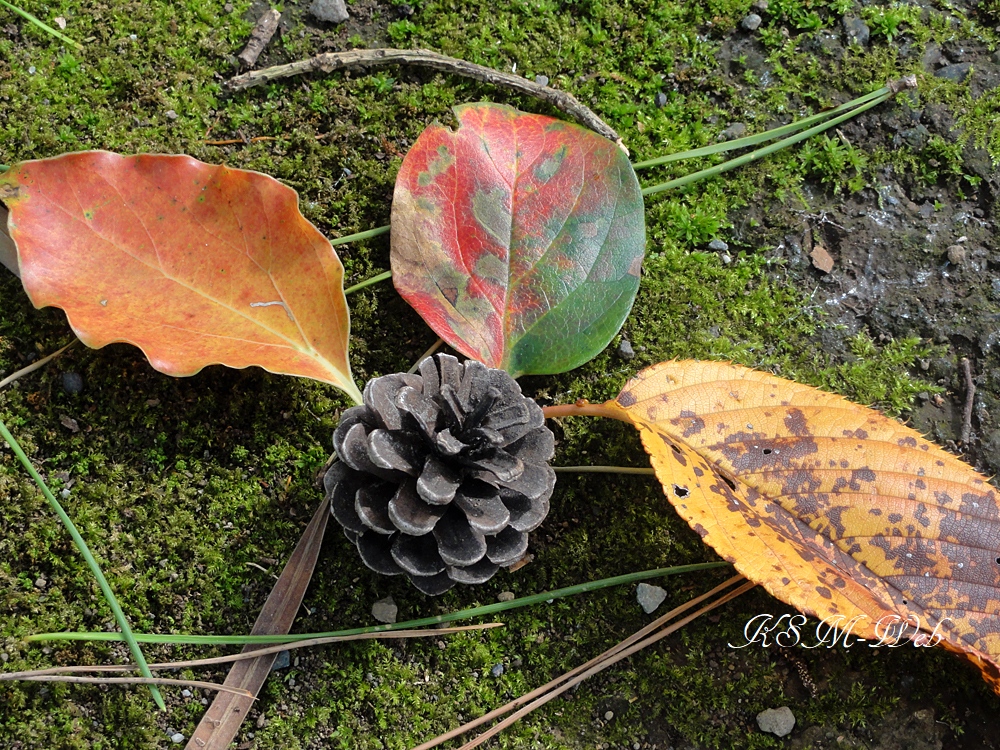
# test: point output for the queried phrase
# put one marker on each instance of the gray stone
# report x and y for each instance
(957, 254)
(856, 31)
(385, 610)
(734, 131)
(542, 80)
(916, 138)
(956, 72)
(625, 350)
(777, 721)
(751, 22)
(505, 596)
(497, 670)
(931, 57)
(281, 661)
(661, 99)
(329, 11)
(177, 738)
(718, 245)
(649, 597)
(72, 382)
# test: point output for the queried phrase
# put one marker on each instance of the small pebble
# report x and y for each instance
(281, 661)
(497, 670)
(31, 70)
(661, 99)
(625, 350)
(41, 583)
(751, 22)
(170, 114)
(542, 80)
(60, 22)
(718, 245)
(726, 258)
(72, 382)
(821, 259)
(185, 693)
(609, 715)
(956, 255)
(760, 5)
(177, 738)
(385, 610)
(65, 493)
(734, 131)
(649, 597)
(505, 596)
(777, 721)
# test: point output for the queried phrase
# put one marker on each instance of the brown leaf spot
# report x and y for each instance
(796, 423)
(626, 399)
(695, 424)
(824, 592)
(907, 442)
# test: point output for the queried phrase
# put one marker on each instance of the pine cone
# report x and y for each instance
(442, 473)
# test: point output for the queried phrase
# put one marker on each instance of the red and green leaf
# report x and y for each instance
(196, 264)
(518, 238)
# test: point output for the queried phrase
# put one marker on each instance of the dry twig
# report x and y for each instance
(372, 58)
(267, 24)
(970, 397)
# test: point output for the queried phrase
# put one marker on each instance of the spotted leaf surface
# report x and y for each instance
(832, 507)
(195, 264)
(518, 238)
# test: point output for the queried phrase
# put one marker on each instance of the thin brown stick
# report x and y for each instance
(604, 664)
(552, 684)
(192, 663)
(240, 141)
(267, 24)
(34, 366)
(970, 397)
(372, 58)
(139, 681)
(583, 409)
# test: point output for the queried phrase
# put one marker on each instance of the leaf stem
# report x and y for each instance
(368, 282)
(464, 614)
(753, 140)
(43, 26)
(368, 233)
(761, 153)
(126, 633)
(584, 409)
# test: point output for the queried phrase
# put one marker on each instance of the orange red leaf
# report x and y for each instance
(194, 263)
(832, 507)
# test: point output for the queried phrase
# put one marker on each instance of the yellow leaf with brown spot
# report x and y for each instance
(832, 507)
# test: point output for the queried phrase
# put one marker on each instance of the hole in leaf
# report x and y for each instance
(676, 449)
(681, 492)
(767, 451)
(727, 480)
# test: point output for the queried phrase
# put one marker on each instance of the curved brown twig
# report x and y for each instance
(372, 58)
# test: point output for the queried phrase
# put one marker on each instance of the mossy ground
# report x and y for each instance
(193, 492)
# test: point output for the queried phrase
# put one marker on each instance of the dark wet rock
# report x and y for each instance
(916, 138)
(661, 99)
(72, 382)
(932, 57)
(939, 119)
(985, 78)
(956, 72)
(856, 31)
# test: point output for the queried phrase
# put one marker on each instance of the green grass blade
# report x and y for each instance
(761, 153)
(357, 235)
(43, 26)
(753, 140)
(368, 282)
(489, 609)
(4, 167)
(126, 633)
